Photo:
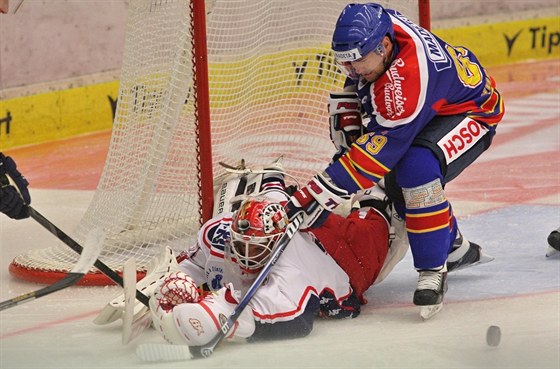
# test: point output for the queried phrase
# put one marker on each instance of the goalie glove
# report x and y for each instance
(13, 199)
(317, 199)
(195, 324)
(345, 120)
(174, 289)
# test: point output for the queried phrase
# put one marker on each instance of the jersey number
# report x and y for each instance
(372, 143)
(469, 73)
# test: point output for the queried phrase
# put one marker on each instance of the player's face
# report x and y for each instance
(253, 253)
(372, 65)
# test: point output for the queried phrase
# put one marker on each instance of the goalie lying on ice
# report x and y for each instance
(324, 271)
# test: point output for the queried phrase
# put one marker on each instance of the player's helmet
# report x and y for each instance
(255, 228)
(360, 29)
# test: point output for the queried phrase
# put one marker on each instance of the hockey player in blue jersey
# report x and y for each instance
(432, 109)
(14, 198)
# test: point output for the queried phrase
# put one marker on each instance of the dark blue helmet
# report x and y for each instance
(360, 30)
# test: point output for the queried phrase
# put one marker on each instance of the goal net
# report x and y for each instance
(270, 70)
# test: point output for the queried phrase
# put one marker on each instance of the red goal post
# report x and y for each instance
(202, 83)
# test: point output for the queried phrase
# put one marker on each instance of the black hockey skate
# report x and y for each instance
(465, 254)
(432, 286)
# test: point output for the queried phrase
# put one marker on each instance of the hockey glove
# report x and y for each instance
(317, 199)
(175, 289)
(345, 120)
(13, 201)
(195, 324)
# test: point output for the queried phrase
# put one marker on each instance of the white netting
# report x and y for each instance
(270, 72)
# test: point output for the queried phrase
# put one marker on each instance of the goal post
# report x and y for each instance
(202, 108)
(202, 83)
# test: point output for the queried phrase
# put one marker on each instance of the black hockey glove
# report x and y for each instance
(13, 201)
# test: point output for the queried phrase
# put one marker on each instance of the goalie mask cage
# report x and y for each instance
(259, 70)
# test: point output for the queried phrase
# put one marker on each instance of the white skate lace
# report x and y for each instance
(429, 280)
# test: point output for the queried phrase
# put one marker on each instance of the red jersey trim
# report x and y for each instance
(309, 291)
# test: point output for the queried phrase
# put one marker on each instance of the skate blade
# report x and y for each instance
(484, 258)
(428, 311)
(551, 251)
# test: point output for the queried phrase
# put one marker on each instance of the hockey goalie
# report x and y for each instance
(323, 272)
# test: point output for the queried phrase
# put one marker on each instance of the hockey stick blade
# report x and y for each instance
(208, 349)
(132, 328)
(129, 285)
(102, 267)
(154, 352)
(90, 253)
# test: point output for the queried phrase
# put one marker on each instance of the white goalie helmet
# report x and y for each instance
(255, 229)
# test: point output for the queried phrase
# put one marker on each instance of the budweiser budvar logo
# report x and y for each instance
(393, 94)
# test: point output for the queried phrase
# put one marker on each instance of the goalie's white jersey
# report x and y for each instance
(304, 271)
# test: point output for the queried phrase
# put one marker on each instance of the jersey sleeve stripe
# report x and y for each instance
(300, 308)
(290, 313)
(362, 181)
(366, 163)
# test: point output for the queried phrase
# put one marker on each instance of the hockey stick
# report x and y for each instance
(132, 328)
(91, 251)
(103, 268)
(208, 349)
(163, 352)
(129, 285)
(158, 352)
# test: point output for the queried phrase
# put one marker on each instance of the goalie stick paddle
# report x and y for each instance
(208, 349)
(103, 268)
(129, 285)
(132, 328)
(162, 352)
(91, 250)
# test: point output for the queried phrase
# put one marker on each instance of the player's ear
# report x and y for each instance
(387, 43)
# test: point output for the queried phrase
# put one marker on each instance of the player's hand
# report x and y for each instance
(345, 120)
(13, 201)
(317, 199)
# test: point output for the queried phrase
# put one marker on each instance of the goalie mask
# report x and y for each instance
(255, 228)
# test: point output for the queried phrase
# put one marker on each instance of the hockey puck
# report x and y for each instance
(554, 239)
(493, 335)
